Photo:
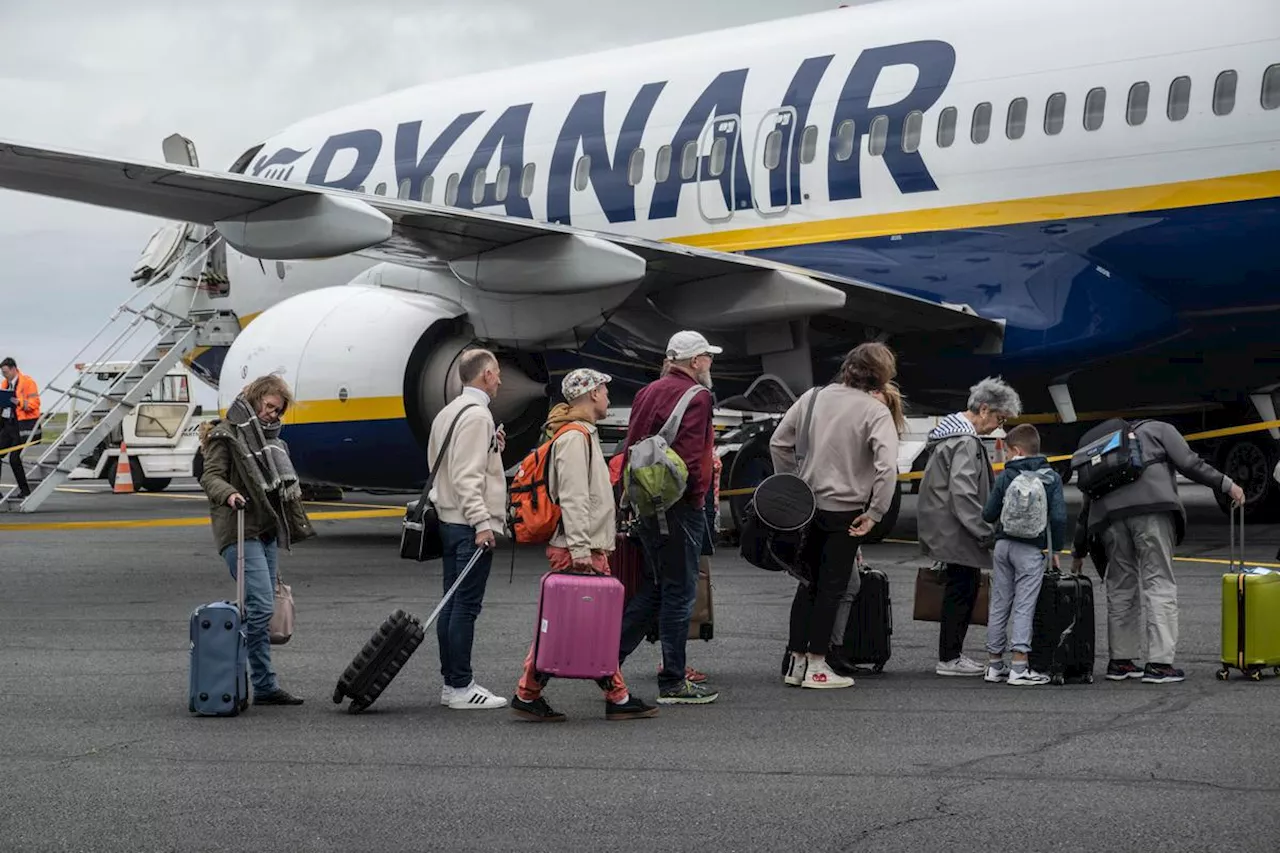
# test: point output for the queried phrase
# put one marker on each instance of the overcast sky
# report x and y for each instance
(116, 78)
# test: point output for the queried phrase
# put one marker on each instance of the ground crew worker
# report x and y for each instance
(19, 418)
(578, 480)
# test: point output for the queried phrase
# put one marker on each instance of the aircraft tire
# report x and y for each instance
(1249, 461)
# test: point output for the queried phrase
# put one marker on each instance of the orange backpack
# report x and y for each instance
(534, 516)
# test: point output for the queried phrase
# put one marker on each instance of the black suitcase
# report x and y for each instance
(870, 622)
(381, 659)
(1062, 630)
(388, 650)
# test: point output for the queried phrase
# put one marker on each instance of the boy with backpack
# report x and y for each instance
(1030, 513)
(562, 495)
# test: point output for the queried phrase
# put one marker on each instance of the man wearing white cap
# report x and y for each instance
(672, 556)
(578, 480)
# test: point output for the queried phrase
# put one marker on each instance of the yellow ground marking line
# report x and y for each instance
(184, 522)
(1211, 561)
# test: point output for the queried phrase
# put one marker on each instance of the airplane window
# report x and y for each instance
(1224, 93)
(947, 127)
(380, 189)
(981, 127)
(844, 140)
(911, 127)
(662, 165)
(1139, 94)
(477, 187)
(1179, 98)
(809, 144)
(635, 167)
(773, 150)
(1271, 88)
(451, 189)
(582, 173)
(403, 191)
(879, 137)
(428, 186)
(1095, 107)
(1015, 124)
(504, 178)
(1055, 113)
(718, 151)
(526, 180)
(689, 160)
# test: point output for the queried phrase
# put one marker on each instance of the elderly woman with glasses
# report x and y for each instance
(247, 466)
(954, 491)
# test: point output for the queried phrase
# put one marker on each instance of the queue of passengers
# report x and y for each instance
(855, 423)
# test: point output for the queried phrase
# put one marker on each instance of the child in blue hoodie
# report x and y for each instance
(1030, 513)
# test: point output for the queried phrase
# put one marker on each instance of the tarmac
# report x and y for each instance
(99, 753)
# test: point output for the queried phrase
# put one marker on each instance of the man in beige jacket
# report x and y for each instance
(578, 480)
(470, 494)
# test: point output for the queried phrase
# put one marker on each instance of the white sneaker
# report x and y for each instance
(996, 671)
(796, 669)
(960, 666)
(818, 674)
(475, 698)
(1028, 677)
(446, 694)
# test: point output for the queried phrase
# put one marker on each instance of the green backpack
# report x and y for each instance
(655, 478)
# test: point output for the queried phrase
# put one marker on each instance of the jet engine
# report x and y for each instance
(370, 367)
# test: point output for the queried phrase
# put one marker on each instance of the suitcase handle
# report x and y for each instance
(240, 561)
(1235, 536)
(475, 558)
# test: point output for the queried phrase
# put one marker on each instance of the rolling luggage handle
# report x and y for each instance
(475, 558)
(240, 561)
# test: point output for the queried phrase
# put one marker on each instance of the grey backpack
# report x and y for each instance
(1025, 513)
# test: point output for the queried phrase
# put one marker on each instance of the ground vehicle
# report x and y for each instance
(160, 434)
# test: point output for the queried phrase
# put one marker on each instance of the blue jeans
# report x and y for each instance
(672, 590)
(455, 629)
(259, 602)
(1016, 575)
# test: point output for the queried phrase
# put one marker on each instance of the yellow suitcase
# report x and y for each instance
(1250, 614)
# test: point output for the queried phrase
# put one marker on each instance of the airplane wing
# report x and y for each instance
(275, 219)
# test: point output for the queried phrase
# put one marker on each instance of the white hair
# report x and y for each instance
(996, 394)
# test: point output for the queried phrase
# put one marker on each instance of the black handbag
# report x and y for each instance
(420, 529)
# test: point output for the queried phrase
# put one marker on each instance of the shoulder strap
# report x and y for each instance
(802, 434)
(668, 431)
(448, 436)
(551, 453)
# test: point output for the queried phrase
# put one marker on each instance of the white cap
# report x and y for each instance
(686, 345)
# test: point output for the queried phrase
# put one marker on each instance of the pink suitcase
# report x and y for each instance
(579, 625)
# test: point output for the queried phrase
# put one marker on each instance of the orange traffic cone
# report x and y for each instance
(124, 477)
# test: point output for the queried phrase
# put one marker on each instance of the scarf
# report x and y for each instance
(270, 466)
(563, 414)
(951, 425)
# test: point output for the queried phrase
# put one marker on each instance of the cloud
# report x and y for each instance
(115, 79)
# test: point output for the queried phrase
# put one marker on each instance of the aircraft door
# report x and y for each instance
(717, 154)
(771, 173)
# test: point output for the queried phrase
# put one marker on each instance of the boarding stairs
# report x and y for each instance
(151, 331)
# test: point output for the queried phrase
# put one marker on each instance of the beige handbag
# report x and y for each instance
(281, 629)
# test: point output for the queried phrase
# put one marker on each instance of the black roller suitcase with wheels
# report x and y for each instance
(866, 634)
(388, 650)
(1062, 630)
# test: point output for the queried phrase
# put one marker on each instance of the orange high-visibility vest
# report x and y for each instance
(26, 398)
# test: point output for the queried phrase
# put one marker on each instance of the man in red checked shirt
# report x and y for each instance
(672, 558)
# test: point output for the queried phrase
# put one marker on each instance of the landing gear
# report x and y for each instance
(1248, 461)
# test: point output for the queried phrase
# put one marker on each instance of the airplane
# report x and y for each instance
(1079, 197)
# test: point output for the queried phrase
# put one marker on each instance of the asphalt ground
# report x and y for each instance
(99, 753)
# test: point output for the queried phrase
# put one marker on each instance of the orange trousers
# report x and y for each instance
(531, 683)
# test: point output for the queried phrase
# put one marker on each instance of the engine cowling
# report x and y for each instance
(370, 367)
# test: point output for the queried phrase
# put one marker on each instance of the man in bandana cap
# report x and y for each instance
(578, 480)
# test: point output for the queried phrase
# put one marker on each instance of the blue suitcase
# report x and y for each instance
(219, 683)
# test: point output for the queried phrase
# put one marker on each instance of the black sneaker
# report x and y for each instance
(538, 710)
(688, 693)
(1119, 670)
(279, 696)
(632, 709)
(1161, 673)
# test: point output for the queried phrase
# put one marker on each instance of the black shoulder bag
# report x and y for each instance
(420, 530)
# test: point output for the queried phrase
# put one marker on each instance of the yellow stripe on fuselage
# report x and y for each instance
(337, 411)
(1021, 211)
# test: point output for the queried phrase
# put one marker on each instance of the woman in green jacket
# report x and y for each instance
(247, 466)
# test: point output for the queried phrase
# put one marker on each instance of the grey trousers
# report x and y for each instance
(1140, 563)
(844, 604)
(1016, 574)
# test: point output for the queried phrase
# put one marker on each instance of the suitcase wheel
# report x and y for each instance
(338, 693)
(1275, 670)
(1224, 674)
(1255, 675)
(1057, 680)
(878, 668)
(1087, 678)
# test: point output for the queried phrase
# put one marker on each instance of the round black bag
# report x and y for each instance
(775, 524)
